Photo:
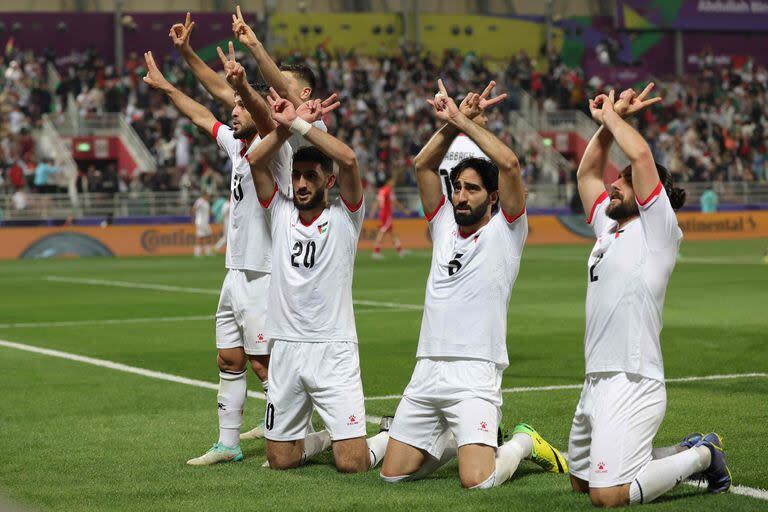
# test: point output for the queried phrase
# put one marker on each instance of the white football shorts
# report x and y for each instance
(613, 428)
(323, 375)
(449, 396)
(203, 230)
(242, 312)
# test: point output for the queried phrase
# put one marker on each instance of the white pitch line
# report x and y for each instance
(71, 323)
(739, 489)
(206, 291)
(743, 490)
(527, 389)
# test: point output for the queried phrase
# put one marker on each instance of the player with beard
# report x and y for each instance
(453, 401)
(311, 319)
(623, 400)
(300, 80)
(242, 305)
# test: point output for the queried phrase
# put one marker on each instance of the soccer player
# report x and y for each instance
(385, 204)
(242, 305)
(454, 396)
(623, 399)
(311, 319)
(201, 213)
(300, 80)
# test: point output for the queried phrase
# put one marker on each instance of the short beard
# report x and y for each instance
(245, 133)
(623, 211)
(316, 200)
(474, 216)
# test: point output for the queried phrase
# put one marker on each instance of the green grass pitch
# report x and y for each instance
(80, 437)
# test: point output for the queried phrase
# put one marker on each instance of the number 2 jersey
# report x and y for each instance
(627, 275)
(469, 285)
(310, 297)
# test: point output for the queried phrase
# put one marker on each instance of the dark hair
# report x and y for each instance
(489, 174)
(301, 72)
(676, 195)
(314, 155)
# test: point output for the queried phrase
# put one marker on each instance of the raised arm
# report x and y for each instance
(211, 80)
(252, 101)
(511, 187)
(269, 69)
(191, 109)
(593, 164)
(260, 157)
(645, 177)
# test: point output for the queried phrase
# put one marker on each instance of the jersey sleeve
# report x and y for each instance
(597, 219)
(280, 166)
(441, 222)
(658, 219)
(277, 209)
(354, 213)
(225, 139)
(515, 229)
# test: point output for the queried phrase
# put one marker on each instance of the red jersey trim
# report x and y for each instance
(307, 224)
(513, 219)
(430, 216)
(656, 192)
(215, 130)
(599, 200)
(268, 202)
(351, 208)
(467, 235)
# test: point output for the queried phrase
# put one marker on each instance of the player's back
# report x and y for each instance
(627, 275)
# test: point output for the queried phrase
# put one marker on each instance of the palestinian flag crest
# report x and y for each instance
(322, 228)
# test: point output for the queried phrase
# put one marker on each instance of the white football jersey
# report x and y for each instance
(310, 299)
(249, 245)
(462, 147)
(469, 284)
(627, 275)
(202, 212)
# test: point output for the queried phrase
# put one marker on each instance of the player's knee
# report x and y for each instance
(282, 460)
(606, 498)
(352, 464)
(473, 479)
(260, 365)
(579, 485)
(230, 361)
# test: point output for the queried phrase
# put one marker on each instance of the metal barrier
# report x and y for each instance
(176, 203)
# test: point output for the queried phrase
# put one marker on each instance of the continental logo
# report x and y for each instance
(742, 224)
(152, 239)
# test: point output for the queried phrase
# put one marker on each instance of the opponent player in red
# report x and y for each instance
(623, 400)
(386, 202)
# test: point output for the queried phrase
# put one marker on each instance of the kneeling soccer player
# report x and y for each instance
(310, 315)
(624, 399)
(453, 401)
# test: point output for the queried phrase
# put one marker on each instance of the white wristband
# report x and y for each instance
(300, 126)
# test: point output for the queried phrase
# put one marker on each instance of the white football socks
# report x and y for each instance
(377, 447)
(509, 455)
(431, 464)
(231, 400)
(664, 451)
(659, 476)
(314, 444)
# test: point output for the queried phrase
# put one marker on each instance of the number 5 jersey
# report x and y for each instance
(469, 285)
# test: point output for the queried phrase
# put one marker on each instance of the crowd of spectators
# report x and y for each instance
(711, 126)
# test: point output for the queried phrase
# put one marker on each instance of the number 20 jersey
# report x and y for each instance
(627, 275)
(310, 296)
(469, 285)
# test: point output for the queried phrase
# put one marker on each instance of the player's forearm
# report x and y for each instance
(214, 83)
(257, 107)
(499, 153)
(629, 140)
(271, 72)
(433, 153)
(259, 158)
(595, 157)
(191, 109)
